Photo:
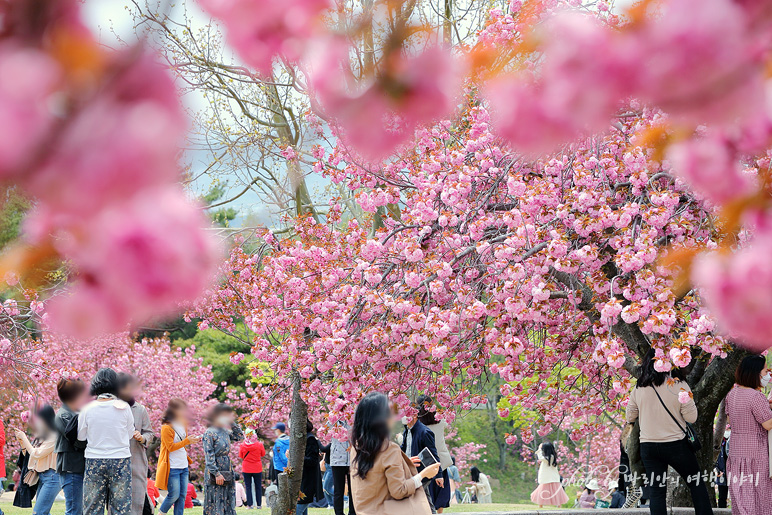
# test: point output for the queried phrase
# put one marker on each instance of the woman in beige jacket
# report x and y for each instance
(384, 481)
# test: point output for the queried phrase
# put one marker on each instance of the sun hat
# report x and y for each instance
(613, 484)
(592, 484)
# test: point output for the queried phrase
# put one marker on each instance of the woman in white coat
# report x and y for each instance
(482, 486)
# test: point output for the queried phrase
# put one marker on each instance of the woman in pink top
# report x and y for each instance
(747, 466)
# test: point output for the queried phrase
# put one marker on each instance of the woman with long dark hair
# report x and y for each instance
(384, 480)
(172, 472)
(656, 403)
(482, 487)
(747, 466)
(550, 491)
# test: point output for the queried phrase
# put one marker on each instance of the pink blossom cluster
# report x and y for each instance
(93, 137)
(494, 265)
(700, 65)
(377, 115)
(263, 30)
(704, 66)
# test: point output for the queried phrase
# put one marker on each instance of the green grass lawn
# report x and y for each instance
(58, 509)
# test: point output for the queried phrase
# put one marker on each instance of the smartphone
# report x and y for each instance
(427, 458)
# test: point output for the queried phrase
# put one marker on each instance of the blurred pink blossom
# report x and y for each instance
(376, 118)
(28, 78)
(260, 30)
(134, 261)
(711, 167)
(124, 141)
(700, 64)
(737, 289)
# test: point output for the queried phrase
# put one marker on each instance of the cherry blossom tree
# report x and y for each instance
(166, 371)
(542, 272)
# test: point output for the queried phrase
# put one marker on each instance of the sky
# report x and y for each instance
(110, 19)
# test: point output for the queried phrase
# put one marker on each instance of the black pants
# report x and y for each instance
(147, 509)
(656, 457)
(339, 477)
(723, 493)
(257, 478)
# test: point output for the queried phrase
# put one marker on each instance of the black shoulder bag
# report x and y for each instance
(689, 432)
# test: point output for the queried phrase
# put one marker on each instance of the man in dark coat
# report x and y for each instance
(415, 438)
(311, 484)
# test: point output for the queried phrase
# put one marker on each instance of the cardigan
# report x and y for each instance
(547, 473)
(656, 425)
(167, 445)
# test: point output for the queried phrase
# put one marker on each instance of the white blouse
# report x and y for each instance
(547, 473)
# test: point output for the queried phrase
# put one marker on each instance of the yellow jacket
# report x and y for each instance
(167, 445)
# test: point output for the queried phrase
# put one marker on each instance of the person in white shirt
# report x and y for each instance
(550, 490)
(107, 425)
(482, 486)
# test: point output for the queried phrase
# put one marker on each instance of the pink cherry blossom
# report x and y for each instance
(123, 142)
(377, 117)
(28, 79)
(700, 64)
(261, 30)
(711, 167)
(151, 248)
(737, 288)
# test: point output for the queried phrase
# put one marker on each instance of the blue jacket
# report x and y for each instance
(422, 437)
(280, 453)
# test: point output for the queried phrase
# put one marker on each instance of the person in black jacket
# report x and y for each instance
(415, 438)
(70, 462)
(311, 484)
(721, 483)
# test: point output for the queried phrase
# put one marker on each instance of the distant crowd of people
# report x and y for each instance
(94, 451)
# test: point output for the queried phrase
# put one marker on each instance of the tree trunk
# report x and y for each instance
(447, 24)
(709, 394)
(289, 480)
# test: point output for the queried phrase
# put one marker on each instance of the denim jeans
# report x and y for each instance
(48, 488)
(327, 484)
(656, 457)
(178, 489)
(257, 479)
(301, 509)
(72, 484)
